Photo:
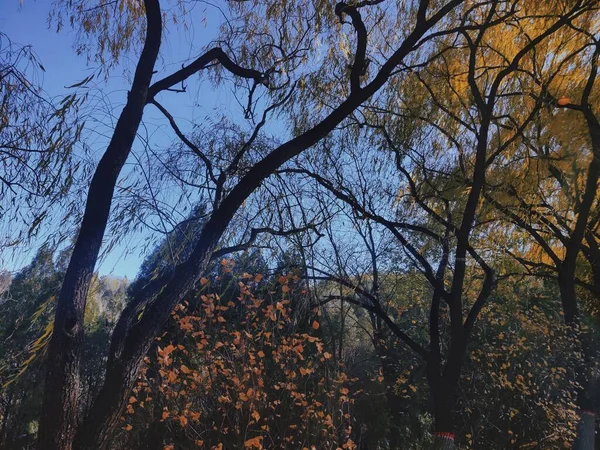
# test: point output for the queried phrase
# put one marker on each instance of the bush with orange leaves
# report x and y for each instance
(239, 374)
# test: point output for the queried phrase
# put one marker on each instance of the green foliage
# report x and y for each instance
(26, 311)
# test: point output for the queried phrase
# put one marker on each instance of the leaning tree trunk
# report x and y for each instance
(59, 417)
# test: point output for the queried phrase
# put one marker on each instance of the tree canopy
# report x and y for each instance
(388, 226)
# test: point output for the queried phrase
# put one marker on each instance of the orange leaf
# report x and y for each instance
(564, 101)
(254, 442)
(182, 421)
(315, 325)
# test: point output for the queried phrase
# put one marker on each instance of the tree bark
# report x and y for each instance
(394, 403)
(586, 431)
(6, 413)
(443, 385)
(566, 286)
(443, 441)
(443, 408)
(59, 417)
(131, 341)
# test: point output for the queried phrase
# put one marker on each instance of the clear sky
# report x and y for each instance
(27, 23)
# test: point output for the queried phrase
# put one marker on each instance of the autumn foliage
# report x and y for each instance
(240, 374)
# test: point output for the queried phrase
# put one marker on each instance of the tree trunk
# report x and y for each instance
(443, 441)
(443, 410)
(132, 338)
(394, 403)
(443, 385)
(585, 434)
(443, 414)
(6, 412)
(586, 431)
(59, 416)
(566, 286)
(585, 438)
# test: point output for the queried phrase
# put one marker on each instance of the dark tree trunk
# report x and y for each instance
(394, 403)
(444, 406)
(59, 417)
(585, 434)
(587, 398)
(443, 403)
(132, 338)
(6, 413)
(443, 384)
(566, 271)
(566, 286)
(443, 394)
(443, 441)
(586, 431)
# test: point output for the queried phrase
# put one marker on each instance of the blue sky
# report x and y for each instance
(27, 23)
